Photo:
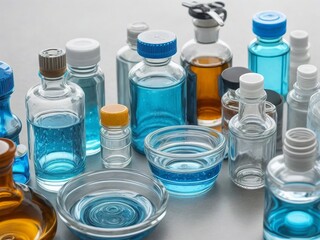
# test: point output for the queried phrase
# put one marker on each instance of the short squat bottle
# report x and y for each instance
(127, 57)
(10, 124)
(55, 116)
(157, 87)
(269, 54)
(252, 135)
(292, 197)
(298, 98)
(204, 58)
(299, 53)
(83, 56)
(115, 136)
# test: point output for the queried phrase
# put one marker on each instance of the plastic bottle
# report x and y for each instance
(127, 57)
(269, 54)
(252, 135)
(204, 58)
(299, 53)
(55, 116)
(10, 124)
(83, 56)
(115, 136)
(292, 196)
(298, 98)
(157, 87)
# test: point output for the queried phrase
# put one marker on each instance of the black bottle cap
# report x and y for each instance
(201, 10)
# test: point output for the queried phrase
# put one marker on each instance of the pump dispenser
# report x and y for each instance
(204, 58)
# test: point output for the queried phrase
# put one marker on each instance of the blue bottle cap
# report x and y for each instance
(269, 24)
(157, 44)
(6, 79)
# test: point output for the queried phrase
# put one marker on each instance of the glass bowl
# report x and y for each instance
(112, 204)
(186, 159)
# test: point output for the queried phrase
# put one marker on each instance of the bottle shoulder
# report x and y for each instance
(269, 49)
(85, 78)
(115, 133)
(127, 54)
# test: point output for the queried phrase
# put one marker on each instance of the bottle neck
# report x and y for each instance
(206, 35)
(5, 104)
(53, 87)
(157, 62)
(269, 40)
(304, 92)
(6, 178)
(83, 70)
(132, 46)
(251, 106)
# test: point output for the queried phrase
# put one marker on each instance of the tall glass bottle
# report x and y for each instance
(269, 51)
(55, 116)
(298, 98)
(127, 57)
(292, 197)
(157, 87)
(10, 124)
(83, 56)
(204, 58)
(252, 135)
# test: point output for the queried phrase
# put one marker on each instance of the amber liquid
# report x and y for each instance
(207, 71)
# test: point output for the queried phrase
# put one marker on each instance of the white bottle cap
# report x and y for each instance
(82, 52)
(251, 85)
(300, 149)
(133, 30)
(307, 76)
(21, 150)
(299, 39)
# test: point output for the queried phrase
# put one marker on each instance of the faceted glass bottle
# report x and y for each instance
(204, 58)
(127, 57)
(157, 87)
(292, 196)
(252, 135)
(24, 214)
(55, 116)
(270, 51)
(298, 98)
(83, 56)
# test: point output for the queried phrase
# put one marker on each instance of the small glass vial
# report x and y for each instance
(299, 53)
(252, 135)
(115, 136)
(298, 98)
(270, 51)
(204, 58)
(292, 197)
(55, 116)
(83, 56)
(10, 124)
(157, 87)
(127, 57)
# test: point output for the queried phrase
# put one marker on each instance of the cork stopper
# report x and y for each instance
(114, 115)
(52, 62)
(7, 152)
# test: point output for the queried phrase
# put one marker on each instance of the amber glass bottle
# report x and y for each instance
(24, 214)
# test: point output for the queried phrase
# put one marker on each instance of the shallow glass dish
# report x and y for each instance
(112, 204)
(186, 159)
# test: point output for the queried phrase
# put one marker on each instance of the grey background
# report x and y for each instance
(226, 212)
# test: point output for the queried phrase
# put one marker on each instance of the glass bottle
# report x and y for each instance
(157, 87)
(115, 136)
(83, 56)
(10, 124)
(270, 51)
(292, 197)
(299, 53)
(24, 214)
(55, 116)
(127, 57)
(204, 58)
(298, 98)
(252, 135)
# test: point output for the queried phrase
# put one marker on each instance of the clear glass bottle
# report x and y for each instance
(157, 87)
(55, 116)
(292, 196)
(270, 51)
(127, 57)
(204, 58)
(252, 135)
(115, 136)
(24, 213)
(299, 53)
(10, 124)
(298, 98)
